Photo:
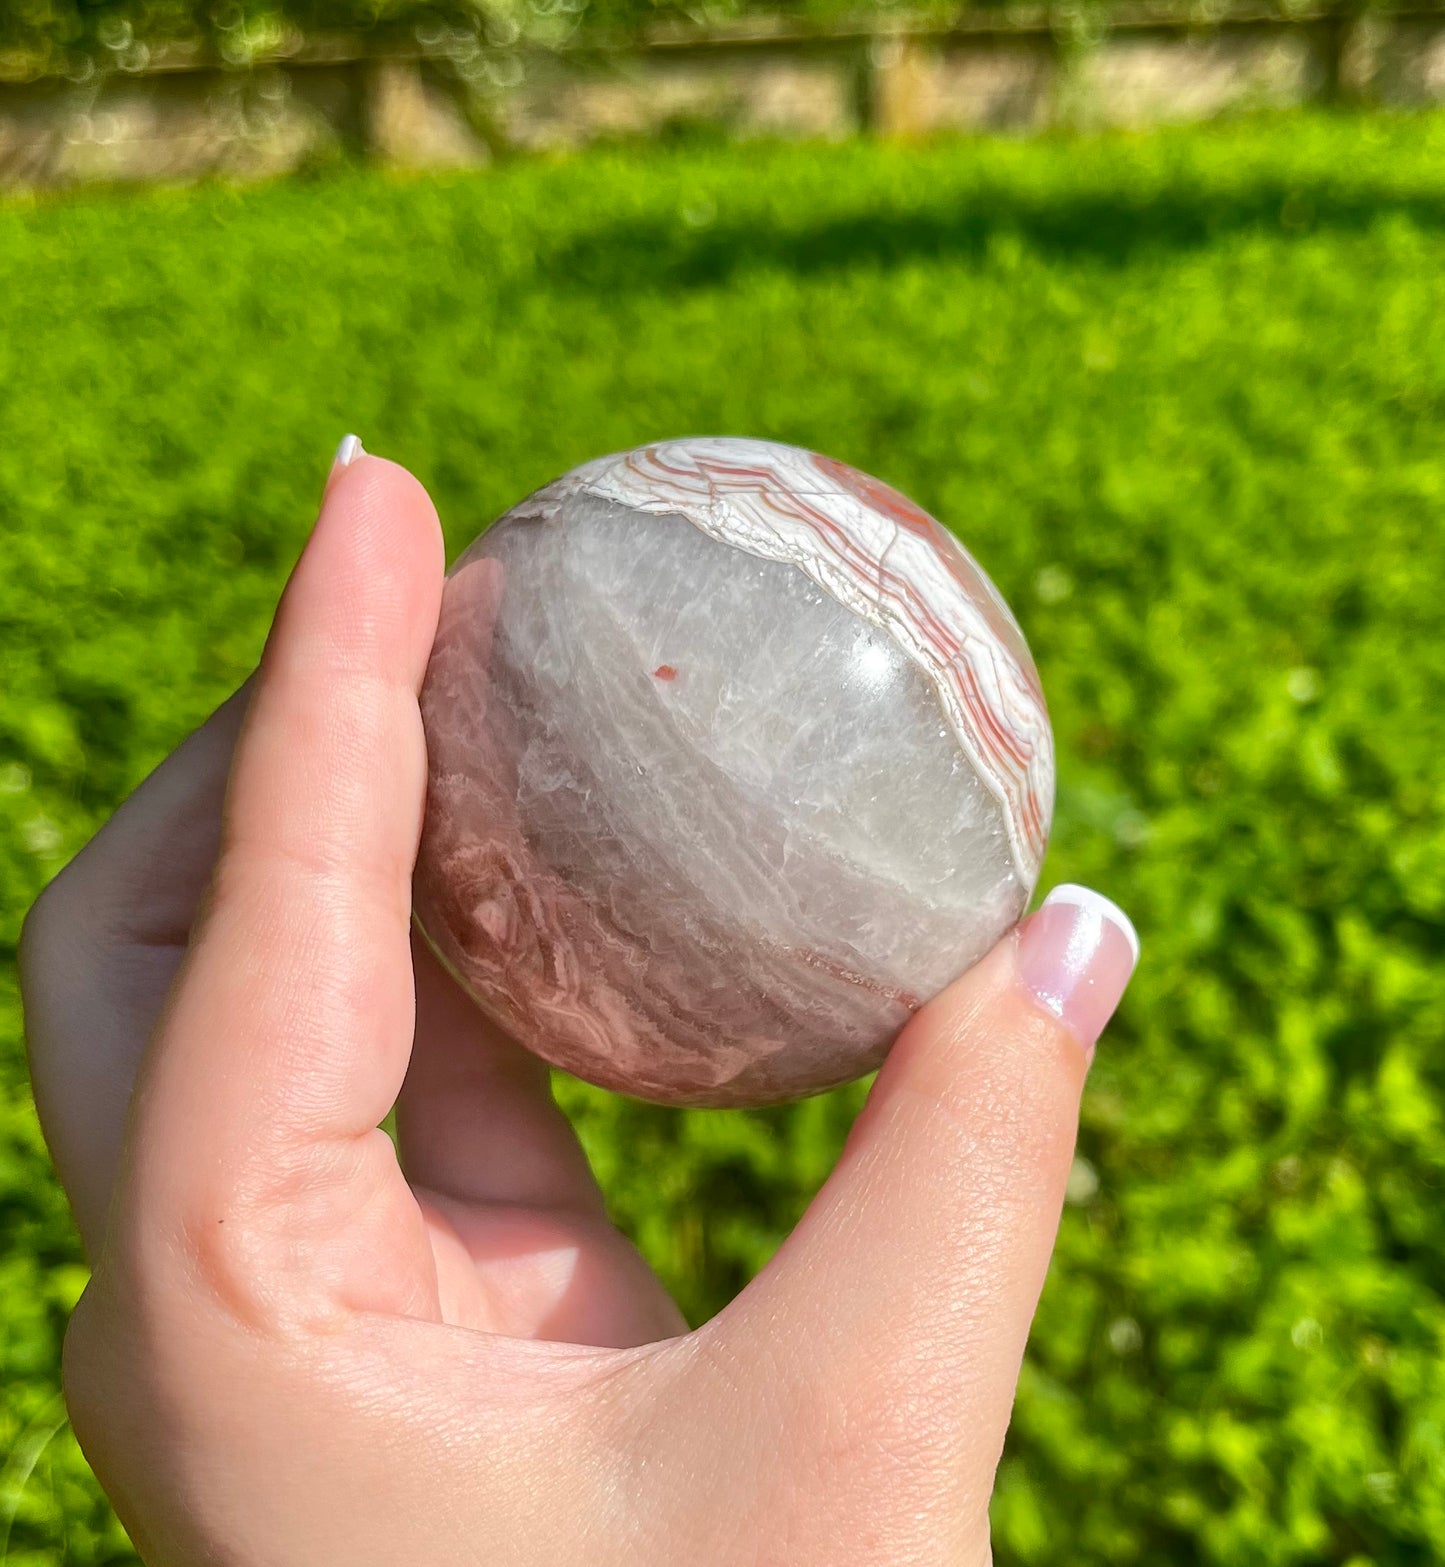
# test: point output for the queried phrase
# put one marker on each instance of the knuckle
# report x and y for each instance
(226, 1261)
(87, 1371)
(1011, 1106)
(40, 933)
(238, 1250)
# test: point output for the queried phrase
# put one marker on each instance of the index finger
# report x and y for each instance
(286, 1035)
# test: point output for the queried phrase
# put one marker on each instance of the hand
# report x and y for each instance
(301, 1346)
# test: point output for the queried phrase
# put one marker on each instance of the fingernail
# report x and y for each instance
(1076, 954)
(346, 454)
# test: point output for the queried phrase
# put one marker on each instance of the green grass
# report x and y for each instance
(1184, 394)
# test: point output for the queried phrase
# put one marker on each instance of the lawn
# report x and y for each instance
(1182, 393)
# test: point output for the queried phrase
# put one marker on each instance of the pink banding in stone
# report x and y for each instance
(883, 558)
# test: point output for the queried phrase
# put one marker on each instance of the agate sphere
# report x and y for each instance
(736, 758)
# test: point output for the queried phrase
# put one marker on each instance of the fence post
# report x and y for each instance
(900, 85)
(1360, 44)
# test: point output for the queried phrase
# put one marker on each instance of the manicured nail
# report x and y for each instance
(1076, 954)
(346, 454)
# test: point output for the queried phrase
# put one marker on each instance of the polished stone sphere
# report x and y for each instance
(736, 759)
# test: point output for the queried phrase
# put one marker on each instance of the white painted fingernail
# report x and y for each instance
(349, 450)
(1076, 955)
(1105, 908)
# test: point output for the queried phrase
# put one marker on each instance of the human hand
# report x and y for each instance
(303, 1346)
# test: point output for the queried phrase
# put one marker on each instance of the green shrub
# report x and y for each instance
(76, 37)
(1184, 394)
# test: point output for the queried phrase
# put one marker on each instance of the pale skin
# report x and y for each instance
(303, 1345)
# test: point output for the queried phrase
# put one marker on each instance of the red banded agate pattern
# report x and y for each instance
(887, 560)
(737, 757)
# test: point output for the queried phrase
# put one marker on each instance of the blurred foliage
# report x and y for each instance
(1183, 393)
(77, 37)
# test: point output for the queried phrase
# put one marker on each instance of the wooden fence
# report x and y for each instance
(427, 103)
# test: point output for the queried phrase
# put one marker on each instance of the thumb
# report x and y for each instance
(897, 1311)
